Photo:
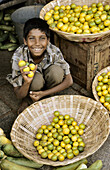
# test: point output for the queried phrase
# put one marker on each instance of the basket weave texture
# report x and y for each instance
(70, 36)
(83, 109)
(95, 83)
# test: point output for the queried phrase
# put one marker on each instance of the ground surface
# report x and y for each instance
(9, 105)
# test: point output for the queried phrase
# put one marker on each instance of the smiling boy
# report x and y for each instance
(52, 73)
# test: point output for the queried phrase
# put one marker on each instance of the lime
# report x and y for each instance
(64, 154)
(55, 135)
(38, 136)
(69, 122)
(73, 131)
(80, 148)
(56, 142)
(74, 138)
(76, 152)
(55, 119)
(43, 127)
(44, 137)
(82, 126)
(59, 137)
(49, 127)
(56, 113)
(54, 158)
(107, 99)
(80, 131)
(70, 155)
(61, 117)
(79, 139)
(44, 155)
(50, 147)
(67, 140)
(59, 148)
(53, 130)
(40, 130)
(98, 88)
(50, 155)
(106, 7)
(36, 143)
(61, 157)
(46, 131)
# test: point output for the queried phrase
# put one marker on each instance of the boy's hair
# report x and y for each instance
(36, 23)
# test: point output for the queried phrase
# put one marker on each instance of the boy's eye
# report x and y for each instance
(31, 38)
(43, 38)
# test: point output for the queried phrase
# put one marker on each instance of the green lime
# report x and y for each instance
(55, 135)
(40, 130)
(59, 137)
(67, 140)
(53, 124)
(107, 99)
(80, 148)
(56, 113)
(98, 88)
(50, 147)
(44, 155)
(54, 158)
(60, 130)
(68, 122)
(44, 137)
(55, 119)
(82, 126)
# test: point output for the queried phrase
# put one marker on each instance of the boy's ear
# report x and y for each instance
(24, 41)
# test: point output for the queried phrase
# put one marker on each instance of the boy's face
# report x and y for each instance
(37, 42)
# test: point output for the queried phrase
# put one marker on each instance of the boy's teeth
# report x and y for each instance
(37, 49)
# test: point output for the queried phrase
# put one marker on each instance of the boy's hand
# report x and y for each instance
(35, 96)
(25, 74)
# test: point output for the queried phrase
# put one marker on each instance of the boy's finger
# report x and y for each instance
(32, 93)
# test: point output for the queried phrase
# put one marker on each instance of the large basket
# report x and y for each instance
(70, 36)
(95, 83)
(83, 109)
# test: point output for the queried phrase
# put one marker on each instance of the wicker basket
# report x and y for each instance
(83, 109)
(95, 82)
(75, 37)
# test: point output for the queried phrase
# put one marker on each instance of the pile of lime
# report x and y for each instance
(28, 67)
(103, 89)
(61, 139)
(78, 19)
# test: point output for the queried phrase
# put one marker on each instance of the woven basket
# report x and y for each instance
(95, 83)
(75, 37)
(83, 109)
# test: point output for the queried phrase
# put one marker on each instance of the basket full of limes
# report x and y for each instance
(61, 130)
(80, 21)
(101, 87)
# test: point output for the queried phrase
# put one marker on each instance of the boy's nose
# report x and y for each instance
(37, 42)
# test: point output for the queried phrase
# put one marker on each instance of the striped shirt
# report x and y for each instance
(52, 55)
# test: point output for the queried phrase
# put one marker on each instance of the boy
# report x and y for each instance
(51, 74)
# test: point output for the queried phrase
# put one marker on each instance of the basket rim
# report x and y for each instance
(57, 163)
(94, 84)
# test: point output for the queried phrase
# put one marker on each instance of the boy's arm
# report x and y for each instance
(68, 81)
(21, 92)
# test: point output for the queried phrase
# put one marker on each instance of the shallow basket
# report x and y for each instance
(95, 83)
(75, 37)
(83, 109)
